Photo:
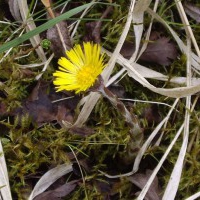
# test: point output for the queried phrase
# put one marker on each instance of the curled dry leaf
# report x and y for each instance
(193, 11)
(140, 180)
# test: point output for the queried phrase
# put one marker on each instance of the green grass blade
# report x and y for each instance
(43, 27)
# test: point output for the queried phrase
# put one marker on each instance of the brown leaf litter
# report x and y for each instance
(140, 181)
(160, 50)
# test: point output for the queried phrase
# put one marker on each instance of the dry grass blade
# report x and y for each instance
(138, 18)
(193, 197)
(14, 9)
(174, 180)
(187, 25)
(144, 46)
(45, 67)
(5, 192)
(106, 73)
(49, 178)
(153, 175)
(149, 73)
(171, 133)
(47, 4)
(174, 92)
(30, 25)
(193, 11)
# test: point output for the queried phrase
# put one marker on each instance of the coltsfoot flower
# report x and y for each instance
(79, 71)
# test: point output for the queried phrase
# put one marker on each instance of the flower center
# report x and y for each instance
(86, 76)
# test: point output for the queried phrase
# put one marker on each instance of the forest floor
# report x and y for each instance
(138, 140)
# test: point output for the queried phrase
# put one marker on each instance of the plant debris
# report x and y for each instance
(140, 180)
(56, 44)
(159, 50)
(58, 193)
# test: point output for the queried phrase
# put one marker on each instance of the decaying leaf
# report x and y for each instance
(151, 114)
(118, 90)
(140, 180)
(103, 187)
(58, 34)
(159, 50)
(40, 108)
(59, 192)
(56, 44)
(93, 29)
(49, 178)
(193, 11)
(83, 131)
(127, 49)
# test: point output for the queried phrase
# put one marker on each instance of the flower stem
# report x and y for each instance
(136, 133)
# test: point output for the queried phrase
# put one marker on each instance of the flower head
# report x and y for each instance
(80, 69)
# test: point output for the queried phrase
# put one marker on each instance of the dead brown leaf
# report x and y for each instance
(160, 50)
(83, 131)
(56, 44)
(140, 180)
(93, 29)
(103, 187)
(127, 49)
(26, 73)
(40, 108)
(193, 11)
(58, 193)
(151, 114)
(60, 30)
(58, 34)
(118, 90)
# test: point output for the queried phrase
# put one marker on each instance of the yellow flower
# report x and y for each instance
(80, 69)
